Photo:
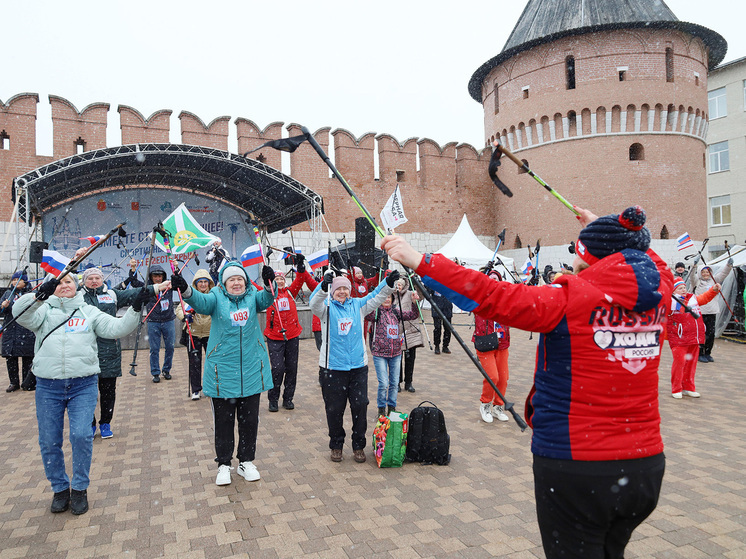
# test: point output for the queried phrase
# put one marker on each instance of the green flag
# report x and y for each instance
(186, 234)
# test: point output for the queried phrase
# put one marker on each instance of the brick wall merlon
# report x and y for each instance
(22, 104)
(62, 109)
(393, 157)
(251, 137)
(130, 116)
(192, 123)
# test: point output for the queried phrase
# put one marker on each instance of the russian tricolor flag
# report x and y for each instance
(53, 262)
(319, 259)
(93, 239)
(252, 255)
(527, 267)
(685, 241)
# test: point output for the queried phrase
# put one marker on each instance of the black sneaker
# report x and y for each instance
(409, 388)
(12, 388)
(288, 405)
(437, 350)
(79, 501)
(273, 405)
(156, 378)
(167, 375)
(61, 501)
(382, 411)
(446, 350)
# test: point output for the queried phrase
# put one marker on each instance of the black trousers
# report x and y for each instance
(283, 357)
(225, 412)
(590, 509)
(107, 396)
(407, 370)
(709, 320)
(26, 363)
(438, 323)
(195, 361)
(339, 387)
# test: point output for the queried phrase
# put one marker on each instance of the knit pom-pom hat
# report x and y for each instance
(613, 233)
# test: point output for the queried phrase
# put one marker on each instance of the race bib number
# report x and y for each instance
(240, 317)
(361, 289)
(164, 304)
(76, 325)
(392, 331)
(105, 298)
(344, 325)
(283, 304)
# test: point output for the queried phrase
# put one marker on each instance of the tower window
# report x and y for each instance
(664, 232)
(4, 140)
(525, 92)
(636, 152)
(669, 64)
(570, 72)
(622, 75)
(517, 243)
(497, 100)
(79, 145)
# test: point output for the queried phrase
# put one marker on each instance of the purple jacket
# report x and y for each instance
(386, 331)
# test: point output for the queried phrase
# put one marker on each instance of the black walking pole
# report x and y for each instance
(508, 405)
(140, 322)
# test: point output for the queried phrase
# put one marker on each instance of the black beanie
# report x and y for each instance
(613, 233)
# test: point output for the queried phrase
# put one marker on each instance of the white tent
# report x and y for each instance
(470, 251)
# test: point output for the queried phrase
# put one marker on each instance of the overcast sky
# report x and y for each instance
(399, 67)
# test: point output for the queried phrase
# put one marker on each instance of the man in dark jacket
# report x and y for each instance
(17, 340)
(160, 325)
(96, 293)
(446, 307)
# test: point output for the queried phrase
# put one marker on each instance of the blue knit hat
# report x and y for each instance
(613, 233)
(20, 274)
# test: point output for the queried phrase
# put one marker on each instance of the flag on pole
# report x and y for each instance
(187, 234)
(252, 255)
(527, 267)
(53, 262)
(93, 239)
(392, 214)
(685, 241)
(318, 259)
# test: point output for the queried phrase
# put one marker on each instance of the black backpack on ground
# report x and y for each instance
(427, 439)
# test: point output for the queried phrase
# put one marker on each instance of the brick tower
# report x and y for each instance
(607, 101)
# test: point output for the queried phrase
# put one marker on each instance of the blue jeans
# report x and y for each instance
(155, 331)
(78, 396)
(387, 371)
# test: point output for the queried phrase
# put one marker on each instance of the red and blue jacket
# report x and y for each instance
(595, 394)
(683, 328)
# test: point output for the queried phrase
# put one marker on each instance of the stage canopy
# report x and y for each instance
(273, 198)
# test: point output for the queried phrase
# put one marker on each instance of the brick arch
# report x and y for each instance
(601, 120)
(616, 118)
(644, 116)
(637, 36)
(559, 130)
(630, 122)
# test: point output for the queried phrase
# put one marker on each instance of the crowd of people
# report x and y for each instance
(579, 447)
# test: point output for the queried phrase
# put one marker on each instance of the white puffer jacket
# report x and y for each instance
(70, 351)
(703, 285)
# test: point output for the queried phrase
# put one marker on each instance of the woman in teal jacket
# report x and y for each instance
(237, 368)
(66, 366)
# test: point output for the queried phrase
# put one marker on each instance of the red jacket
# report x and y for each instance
(360, 288)
(595, 394)
(484, 327)
(683, 328)
(283, 312)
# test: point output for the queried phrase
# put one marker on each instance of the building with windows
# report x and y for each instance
(607, 101)
(726, 150)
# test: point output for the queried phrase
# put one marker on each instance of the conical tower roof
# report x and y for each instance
(543, 21)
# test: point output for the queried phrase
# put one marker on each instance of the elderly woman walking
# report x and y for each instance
(237, 368)
(66, 366)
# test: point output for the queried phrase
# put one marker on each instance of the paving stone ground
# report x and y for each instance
(153, 491)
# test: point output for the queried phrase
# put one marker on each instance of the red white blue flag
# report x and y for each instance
(53, 262)
(684, 241)
(527, 267)
(319, 259)
(252, 255)
(93, 239)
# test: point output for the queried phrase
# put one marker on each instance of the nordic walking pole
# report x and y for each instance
(271, 287)
(125, 258)
(508, 405)
(422, 318)
(494, 162)
(140, 322)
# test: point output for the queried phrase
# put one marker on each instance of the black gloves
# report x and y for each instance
(189, 317)
(350, 267)
(46, 289)
(328, 278)
(268, 274)
(300, 263)
(392, 277)
(142, 298)
(178, 282)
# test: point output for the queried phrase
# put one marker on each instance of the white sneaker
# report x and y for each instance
(484, 410)
(248, 471)
(690, 393)
(195, 395)
(677, 395)
(499, 413)
(224, 475)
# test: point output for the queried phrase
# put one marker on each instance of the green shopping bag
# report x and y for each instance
(390, 439)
